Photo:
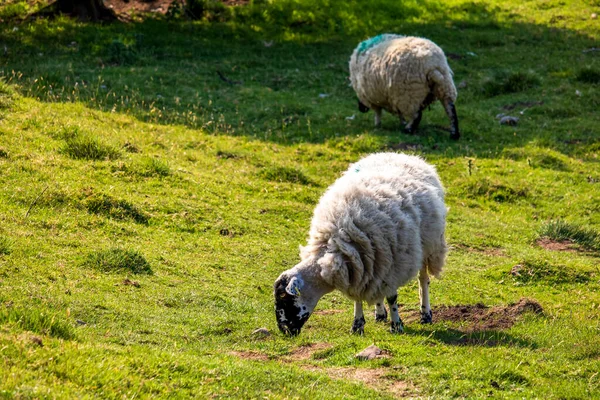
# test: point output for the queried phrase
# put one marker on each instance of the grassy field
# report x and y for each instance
(157, 176)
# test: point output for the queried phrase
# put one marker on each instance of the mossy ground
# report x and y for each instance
(202, 149)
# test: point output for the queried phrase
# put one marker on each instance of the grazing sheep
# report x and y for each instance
(402, 75)
(377, 227)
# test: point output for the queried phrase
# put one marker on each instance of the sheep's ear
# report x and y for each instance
(293, 288)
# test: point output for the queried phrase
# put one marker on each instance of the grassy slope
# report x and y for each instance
(227, 177)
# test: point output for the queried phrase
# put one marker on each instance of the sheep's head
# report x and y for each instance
(292, 305)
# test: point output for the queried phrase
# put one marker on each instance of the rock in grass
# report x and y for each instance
(371, 353)
(261, 333)
(508, 120)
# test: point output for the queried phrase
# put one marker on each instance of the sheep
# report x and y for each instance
(378, 226)
(402, 75)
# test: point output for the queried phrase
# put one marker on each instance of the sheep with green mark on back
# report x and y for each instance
(402, 75)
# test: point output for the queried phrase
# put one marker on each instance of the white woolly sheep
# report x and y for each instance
(378, 226)
(402, 75)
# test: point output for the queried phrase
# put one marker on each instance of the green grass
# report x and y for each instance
(118, 260)
(147, 203)
(561, 230)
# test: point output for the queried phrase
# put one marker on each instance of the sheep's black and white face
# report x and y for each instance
(290, 309)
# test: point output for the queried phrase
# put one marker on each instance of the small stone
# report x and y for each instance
(594, 16)
(261, 332)
(37, 341)
(508, 120)
(371, 353)
(578, 93)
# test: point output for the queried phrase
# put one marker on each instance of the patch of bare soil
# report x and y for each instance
(374, 378)
(558, 245)
(487, 251)
(126, 7)
(250, 355)
(121, 7)
(479, 318)
(305, 352)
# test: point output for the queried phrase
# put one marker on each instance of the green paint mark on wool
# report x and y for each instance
(371, 42)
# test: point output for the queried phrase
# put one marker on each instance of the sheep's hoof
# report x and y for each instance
(454, 135)
(397, 327)
(381, 317)
(358, 327)
(409, 130)
(426, 317)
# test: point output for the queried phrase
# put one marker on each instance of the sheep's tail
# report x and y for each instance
(442, 84)
(435, 262)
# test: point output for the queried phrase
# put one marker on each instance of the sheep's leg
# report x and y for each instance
(396, 325)
(426, 314)
(377, 116)
(362, 108)
(413, 125)
(380, 312)
(358, 327)
(451, 112)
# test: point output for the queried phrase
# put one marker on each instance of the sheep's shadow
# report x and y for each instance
(482, 338)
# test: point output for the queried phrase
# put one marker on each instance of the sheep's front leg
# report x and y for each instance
(377, 116)
(358, 327)
(380, 312)
(426, 314)
(451, 112)
(396, 325)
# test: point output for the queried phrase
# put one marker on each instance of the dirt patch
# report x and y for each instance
(301, 353)
(558, 245)
(487, 251)
(480, 318)
(250, 355)
(121, 7)
(374, 378)
(305, 352)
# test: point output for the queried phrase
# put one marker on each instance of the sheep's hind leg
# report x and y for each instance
(396, 325)
(411, 127)
(426, 314)
(358, 326)
(377, 116)
(451, 112)
(380, 312)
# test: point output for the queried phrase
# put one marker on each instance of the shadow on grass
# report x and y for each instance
(482, 338)
(278, 72)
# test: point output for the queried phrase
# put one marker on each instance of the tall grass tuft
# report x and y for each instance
(83, 147)
(588, 75)
(561, 230)
(36, 321)
(118, 260)
(103, 204)
(285, 174)
(149, 166)
(6, 244)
